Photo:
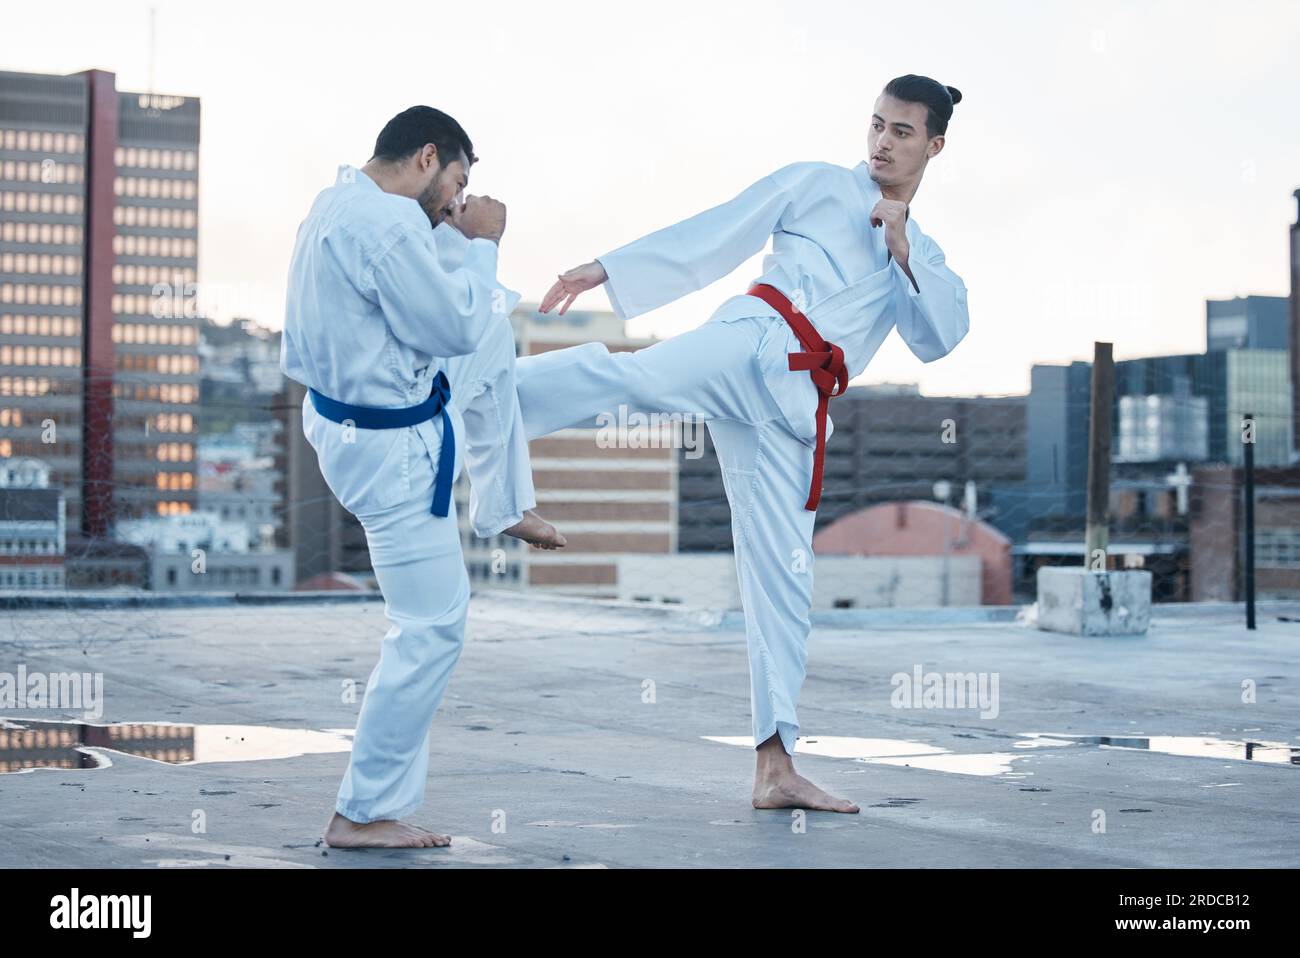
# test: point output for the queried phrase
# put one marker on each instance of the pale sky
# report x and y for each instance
(1111, 166)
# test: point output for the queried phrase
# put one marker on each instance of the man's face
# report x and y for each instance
(897, 146)
(443, 185)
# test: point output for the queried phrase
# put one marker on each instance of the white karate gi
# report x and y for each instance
(378, 303)
(733, 372)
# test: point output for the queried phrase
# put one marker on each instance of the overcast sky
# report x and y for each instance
(1112, 165)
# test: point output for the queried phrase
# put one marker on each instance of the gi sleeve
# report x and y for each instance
(931, 316)
(666, 265)
(438, 292)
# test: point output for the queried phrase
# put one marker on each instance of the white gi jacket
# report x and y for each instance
(376, 299)
(826, 258)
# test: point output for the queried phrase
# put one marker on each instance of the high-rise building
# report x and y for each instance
(42, 234)
(1057, 419)
(98, 264)
(1246, 322)
(155, 319)
(1222, 386)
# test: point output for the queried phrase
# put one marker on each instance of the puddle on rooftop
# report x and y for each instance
(26, 744)
(1194, 746)
(887, 751)
(892, 751)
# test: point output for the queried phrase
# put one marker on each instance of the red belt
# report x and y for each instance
(825, 364)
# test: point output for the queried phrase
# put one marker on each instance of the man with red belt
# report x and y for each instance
(847, 265)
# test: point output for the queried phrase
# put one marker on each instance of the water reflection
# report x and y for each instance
(26, 744)
(903, 752)
(1195, 746)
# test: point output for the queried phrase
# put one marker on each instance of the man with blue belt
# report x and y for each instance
(402, 335)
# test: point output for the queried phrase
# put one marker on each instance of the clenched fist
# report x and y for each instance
(480, 217)
(892, 215)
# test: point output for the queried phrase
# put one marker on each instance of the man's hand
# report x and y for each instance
(570, 284)
(480, 217)
(892, 214)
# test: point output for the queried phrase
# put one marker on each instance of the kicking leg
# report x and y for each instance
(501, 496)
(766, 471)
(707, 372)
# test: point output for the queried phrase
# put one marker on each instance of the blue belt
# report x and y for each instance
(368, 417)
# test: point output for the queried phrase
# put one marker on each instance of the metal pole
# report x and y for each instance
(1248, 450)
(1099, 431)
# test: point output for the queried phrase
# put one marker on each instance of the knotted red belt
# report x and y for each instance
(825, 364)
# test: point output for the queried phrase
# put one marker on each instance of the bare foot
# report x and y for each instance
(778, 785)
(387, 833)
(795, 791)
(537, 532)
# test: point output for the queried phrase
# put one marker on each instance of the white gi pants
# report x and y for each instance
(712, 372)
(418, 563)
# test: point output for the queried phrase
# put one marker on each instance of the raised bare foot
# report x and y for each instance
(792, 790)
(387, 833)
(537, 532)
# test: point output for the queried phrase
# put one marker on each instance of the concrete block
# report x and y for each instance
(1085, 602)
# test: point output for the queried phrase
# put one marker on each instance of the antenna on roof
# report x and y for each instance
(153, 14)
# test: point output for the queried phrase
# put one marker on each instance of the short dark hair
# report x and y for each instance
(938, 99)
(411, 129)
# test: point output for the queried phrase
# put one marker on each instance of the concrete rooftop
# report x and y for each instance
(545, 729)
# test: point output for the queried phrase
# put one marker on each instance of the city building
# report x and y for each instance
(939, 538)
(33, 536)
(1222, 387)
(1057, 419)
(890, 443)
(240, 363)
(1174, 417)
(324, 538)
(611, 486)
(43, 143)
(239, 481)
(1246, 322)
(201, 552)
(98, 263)
(1217, 534)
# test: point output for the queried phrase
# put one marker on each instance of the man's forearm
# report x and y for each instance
(901, 259)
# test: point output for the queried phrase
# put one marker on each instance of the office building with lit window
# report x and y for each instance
(42, 233)
(155, 320)
(99, 368)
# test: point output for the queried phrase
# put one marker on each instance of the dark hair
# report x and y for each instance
(938, 99)
(411, 129)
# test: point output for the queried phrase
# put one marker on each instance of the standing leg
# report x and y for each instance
(766, 471)
(425, 601)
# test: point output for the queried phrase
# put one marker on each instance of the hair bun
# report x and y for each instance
(954, 93)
